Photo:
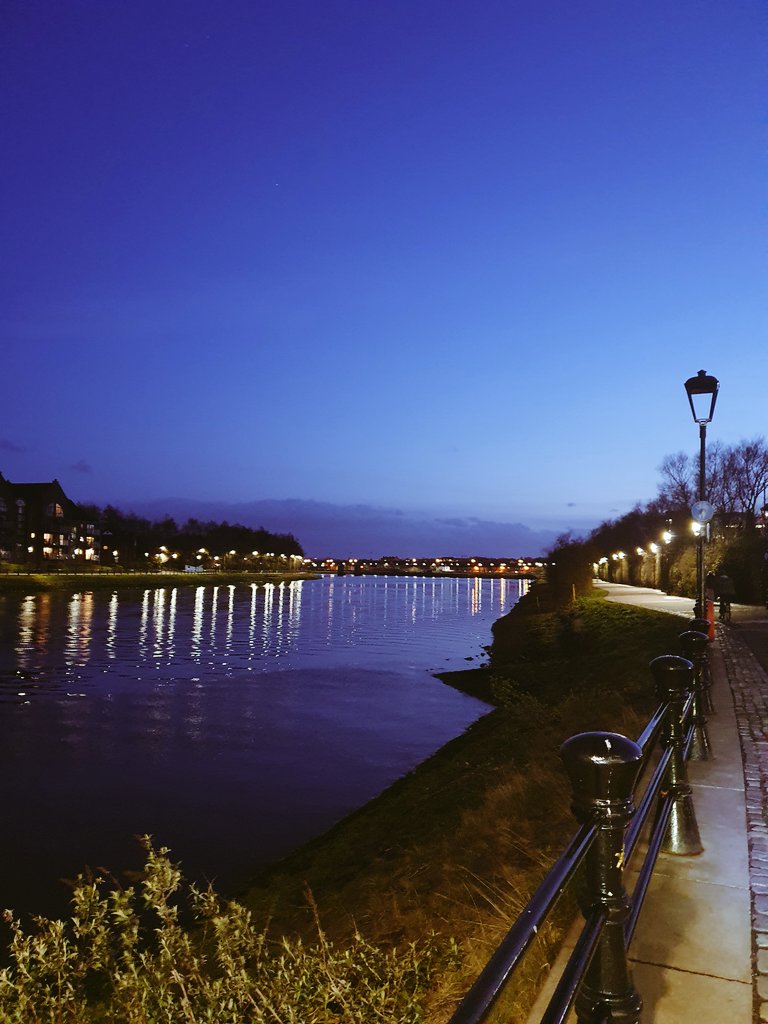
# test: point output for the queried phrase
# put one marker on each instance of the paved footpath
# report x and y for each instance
(713, 913)
(700, 953)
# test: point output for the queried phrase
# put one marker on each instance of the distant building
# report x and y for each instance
(39, 523)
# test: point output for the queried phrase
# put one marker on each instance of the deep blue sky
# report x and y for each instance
(448, 259)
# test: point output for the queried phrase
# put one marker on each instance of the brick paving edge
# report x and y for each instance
(749, 688)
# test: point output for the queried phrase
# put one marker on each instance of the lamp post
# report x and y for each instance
(702, 396)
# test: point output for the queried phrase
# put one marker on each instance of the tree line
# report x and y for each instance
(654, 544)
(137, 540)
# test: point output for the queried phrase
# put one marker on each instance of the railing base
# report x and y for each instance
(701, 749)
(681, 836)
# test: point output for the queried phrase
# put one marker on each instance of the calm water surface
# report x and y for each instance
(231, 723)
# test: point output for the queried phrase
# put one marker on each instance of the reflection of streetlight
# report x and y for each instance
(702, 396)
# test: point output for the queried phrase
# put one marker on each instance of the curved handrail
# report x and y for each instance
(656, 805)
(510, 950)
(578, 961)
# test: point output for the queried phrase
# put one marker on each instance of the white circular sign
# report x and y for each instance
(702, 511)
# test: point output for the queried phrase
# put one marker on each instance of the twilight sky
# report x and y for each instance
(403, 260)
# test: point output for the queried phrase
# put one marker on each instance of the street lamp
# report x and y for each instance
(702, 396)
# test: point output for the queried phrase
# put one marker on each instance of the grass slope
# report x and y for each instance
(457, 846)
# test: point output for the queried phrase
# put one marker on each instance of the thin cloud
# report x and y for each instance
(10, 446)
(81, 466)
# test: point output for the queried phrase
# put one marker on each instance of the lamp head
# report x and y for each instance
(702, 396)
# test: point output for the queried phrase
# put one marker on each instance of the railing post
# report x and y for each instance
(674, 681)
(703, 626)
(694, 647)
(603, 768)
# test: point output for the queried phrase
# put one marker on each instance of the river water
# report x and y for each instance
(232, 723)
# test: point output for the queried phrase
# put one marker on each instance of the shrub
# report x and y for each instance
(127, 955)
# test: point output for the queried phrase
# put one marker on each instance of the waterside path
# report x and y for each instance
(700, 954)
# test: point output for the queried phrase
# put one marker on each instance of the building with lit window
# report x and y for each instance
(39, 523)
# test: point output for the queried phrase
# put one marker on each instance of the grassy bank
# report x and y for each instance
(391, 914)
(31, 583)
(457, 846)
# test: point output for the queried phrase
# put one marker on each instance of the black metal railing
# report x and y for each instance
(607, 773)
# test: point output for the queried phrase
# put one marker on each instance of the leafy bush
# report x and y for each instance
(127, 956)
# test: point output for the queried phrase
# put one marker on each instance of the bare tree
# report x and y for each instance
(736, 478)
(750, 473)
(718, 487)
(677, 488)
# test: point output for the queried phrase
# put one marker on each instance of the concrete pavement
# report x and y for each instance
(700, 953)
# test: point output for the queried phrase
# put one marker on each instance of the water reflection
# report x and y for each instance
(214, 612)
(197, 622)
(110, 641)
(265, 626)
(78, 646)
(144, 621)
(230, 722)
(230, 617)
(269, 598)
(158, 621)
(294, 609)
(27, 620)
(172, 623)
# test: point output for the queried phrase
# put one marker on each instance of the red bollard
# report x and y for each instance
(711, 619)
